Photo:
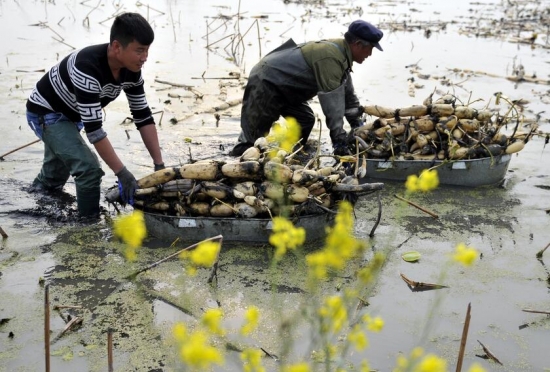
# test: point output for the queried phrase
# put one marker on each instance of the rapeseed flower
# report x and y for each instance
(285, 135)
(212, 319)
(204, 255)
(333, 314)
(465, 255)
(373, 324)
(251, 316)
(298, 367)
(357, 338)
(340, 245)
(476, 368)
(131, 230)
(252, 359)
(196, 351)
(431, 363)
(427, 181)
(285, 236)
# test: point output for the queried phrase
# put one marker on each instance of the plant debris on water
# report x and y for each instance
(491, 56)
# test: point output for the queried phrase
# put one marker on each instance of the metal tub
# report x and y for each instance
(248, 230)
(469, 173)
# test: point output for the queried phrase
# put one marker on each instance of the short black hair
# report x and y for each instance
(128, 27)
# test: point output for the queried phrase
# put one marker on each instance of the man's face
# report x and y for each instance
(360, 51)
(133, 56)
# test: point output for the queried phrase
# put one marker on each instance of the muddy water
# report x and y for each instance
(459, 48)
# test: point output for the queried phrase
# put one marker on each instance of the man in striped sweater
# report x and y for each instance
(71, 96)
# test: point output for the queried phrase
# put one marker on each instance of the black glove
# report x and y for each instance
(159, 167)
(127, 186)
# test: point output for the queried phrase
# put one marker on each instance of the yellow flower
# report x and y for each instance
(404, 364)
(431, 363)
(333, 314)
(476, 367)
(365, 366)
(252, 359)
(180, 332)
(298, 367)
(285, 236)
(251, 320)
(416, 353)
(131, 230)
(375, 325)
(465, 255)
(358, 338)
(412, 183)
(204, 255)
(198, 354)
(212, 320)
(284, 135)
(427, 181)
(340, 245)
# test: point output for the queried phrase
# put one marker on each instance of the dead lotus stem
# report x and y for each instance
(463, 339)
(541, 252)
(76, 321)
(536, 311)
(3, 233)
(379, 216)
(131, 276)
(417, 206)
(227, 205)
(110, 350)
(19, 148)
(489, 354)
(139, 3)
(47, 326)
(214, 270)
(58, 307)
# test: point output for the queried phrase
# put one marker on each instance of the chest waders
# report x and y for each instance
(279, 85)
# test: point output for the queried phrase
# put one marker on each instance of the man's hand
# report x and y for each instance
(159, 167)
(127, 185)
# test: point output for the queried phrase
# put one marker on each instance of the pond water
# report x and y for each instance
(460, 47)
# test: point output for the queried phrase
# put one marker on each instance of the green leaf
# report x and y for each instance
(411, 256)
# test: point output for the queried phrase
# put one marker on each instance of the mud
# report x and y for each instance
(467, 49)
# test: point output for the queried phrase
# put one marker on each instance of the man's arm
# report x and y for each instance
(150, 139)
(108, 154)
(143, 118)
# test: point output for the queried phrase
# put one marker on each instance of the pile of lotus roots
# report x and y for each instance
(435, 131)
(264, 182)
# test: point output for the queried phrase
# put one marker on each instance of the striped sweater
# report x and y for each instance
(82, 84)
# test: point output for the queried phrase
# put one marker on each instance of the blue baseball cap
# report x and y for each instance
(367, 32)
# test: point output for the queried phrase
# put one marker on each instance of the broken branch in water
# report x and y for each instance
(489, 355)
(3, 233)
(417, 206)
(420, 286)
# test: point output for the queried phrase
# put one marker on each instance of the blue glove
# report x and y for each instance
(127, 186)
